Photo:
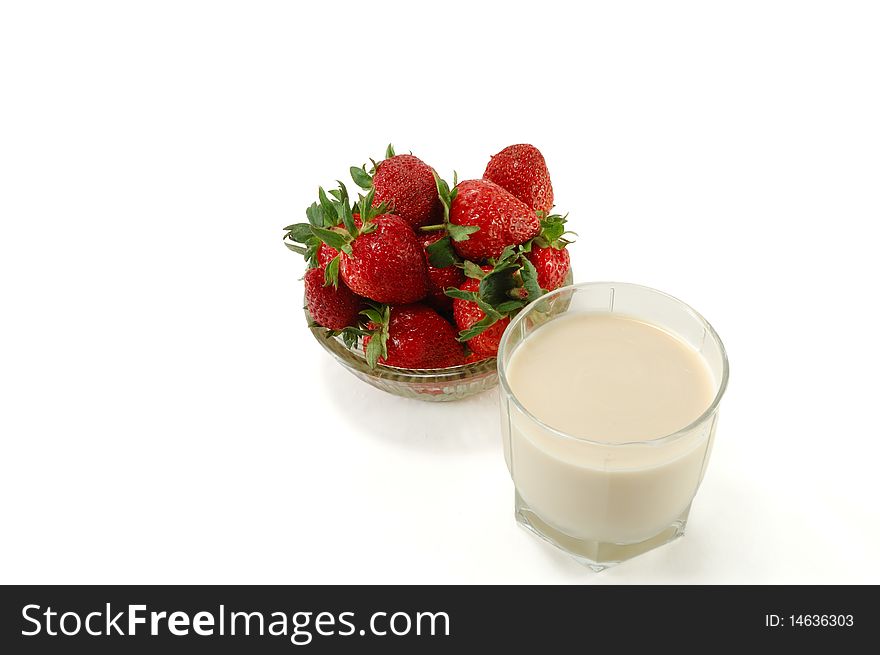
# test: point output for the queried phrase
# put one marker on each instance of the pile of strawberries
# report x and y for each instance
(424, 276)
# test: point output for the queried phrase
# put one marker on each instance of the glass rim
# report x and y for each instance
(657, 441)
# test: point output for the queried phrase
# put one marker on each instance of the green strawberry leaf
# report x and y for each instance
(389, 151)
(473, 271)
(361, 177)
(478, 328)
(507, 254)
(297, 249)
(488, 310)
(456, 232)
(495, 287)
(552, 227)
(343, 211)
(331, 273)
(349, 338)
(348, 219)
(299, 232)
(374, 315)
(311, 253)
(443, 193)
(376, 348)
(380, 316)
(300, 239)
(367, 211)
(453, 292)
(332, 238)
(315, 215)
(329, 209)
(529, 276)
(510, 306)
(441, 254)
(461, 232)
(552, 233)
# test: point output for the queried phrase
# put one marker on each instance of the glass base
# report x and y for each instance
(597, 555)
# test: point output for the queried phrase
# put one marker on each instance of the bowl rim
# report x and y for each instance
(355, 359)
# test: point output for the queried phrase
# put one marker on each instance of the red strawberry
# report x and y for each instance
(467, 313)
(334, 308)
(412, 336)
(547, 252)
(440, 278)
(406, 184)
(380, 256)
(386, 263)
(552, 265)
(521, 169)
(502, 219)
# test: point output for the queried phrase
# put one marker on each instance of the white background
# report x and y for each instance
(165, 415)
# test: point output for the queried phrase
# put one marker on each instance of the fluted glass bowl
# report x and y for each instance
(433, 384)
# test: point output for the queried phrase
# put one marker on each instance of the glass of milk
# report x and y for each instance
(609, 401)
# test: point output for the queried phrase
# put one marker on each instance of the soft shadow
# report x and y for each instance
(719, 545)
(469, 425)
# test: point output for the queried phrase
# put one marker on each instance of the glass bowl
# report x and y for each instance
(433, 384)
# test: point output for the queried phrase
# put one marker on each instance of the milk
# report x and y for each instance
(607, 390)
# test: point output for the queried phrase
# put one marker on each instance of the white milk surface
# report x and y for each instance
(623, 382)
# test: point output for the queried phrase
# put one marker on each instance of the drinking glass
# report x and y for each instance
(600, 501)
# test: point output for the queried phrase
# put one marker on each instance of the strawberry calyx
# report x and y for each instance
(349, 334)
(553, 233)
(440, 253)
(364, 177)
(324, 214)
(379, 317)
(332, 222)
(509, 284)
(300, 238)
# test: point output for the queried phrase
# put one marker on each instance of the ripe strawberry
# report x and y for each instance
(405, 184)
(386, 262)
(468, 313)
(521, 169)
(552, 265)
(440, 278)
(502, 219)
(380, 258)
(411, 336)
(547, 252)
(334, 308)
